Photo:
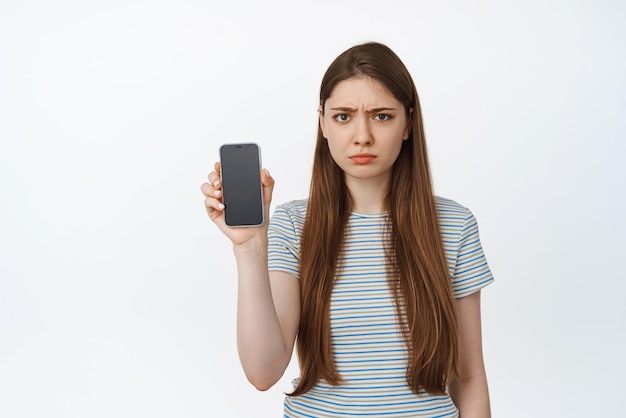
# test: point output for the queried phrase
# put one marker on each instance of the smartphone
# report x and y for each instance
(242, 190)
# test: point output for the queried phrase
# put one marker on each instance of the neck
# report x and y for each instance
(368, 195)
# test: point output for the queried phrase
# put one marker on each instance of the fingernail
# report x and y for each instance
(267, 173)
(216, 193)
(221, 206)
(216, 183)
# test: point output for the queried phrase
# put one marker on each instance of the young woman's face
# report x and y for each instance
(364, 125)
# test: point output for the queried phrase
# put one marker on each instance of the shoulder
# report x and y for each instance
(447, 206)
(295, 206)
(451, 213)
(456, 221)
(294, 209)
(292, 213)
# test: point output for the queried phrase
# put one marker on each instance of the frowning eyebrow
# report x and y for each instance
(375, 110)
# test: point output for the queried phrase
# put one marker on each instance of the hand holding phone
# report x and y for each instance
(242, 189)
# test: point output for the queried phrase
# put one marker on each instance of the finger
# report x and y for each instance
(214, 207)
(218, 170)
(214, 180)
(209, 191)
(215, 177)
(268, 185)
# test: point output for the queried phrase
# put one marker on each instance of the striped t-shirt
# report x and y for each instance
(368, 346)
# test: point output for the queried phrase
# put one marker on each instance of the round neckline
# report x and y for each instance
(369, 215)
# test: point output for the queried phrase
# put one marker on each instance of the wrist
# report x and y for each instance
(254, 245)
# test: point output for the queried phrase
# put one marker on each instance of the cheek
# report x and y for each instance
(395, 147)
(337, 152)
(324, 125)
(332, 147)
(334, 137)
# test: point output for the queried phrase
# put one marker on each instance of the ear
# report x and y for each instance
(409, 125)
(320, 113)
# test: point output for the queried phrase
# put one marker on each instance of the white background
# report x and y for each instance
(117, 295)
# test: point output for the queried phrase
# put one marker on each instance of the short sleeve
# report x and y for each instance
(283, 243)
(471, 271)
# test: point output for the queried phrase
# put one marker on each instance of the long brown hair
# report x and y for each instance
(416, 264)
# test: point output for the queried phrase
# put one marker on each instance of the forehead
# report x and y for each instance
(362, 90)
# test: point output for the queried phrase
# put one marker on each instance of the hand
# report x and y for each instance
(215, 207)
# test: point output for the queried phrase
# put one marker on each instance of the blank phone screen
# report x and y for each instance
(241, 184)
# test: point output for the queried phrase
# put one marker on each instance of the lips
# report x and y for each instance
(362, 158)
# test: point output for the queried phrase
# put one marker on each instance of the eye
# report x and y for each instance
(382, 117)
(342, 117)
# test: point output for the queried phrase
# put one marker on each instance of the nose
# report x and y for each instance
(363, 133)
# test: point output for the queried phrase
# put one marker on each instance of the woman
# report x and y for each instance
(377, 278)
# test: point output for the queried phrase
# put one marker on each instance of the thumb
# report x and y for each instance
(268, 186)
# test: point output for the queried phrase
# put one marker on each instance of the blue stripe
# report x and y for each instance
(396, 342)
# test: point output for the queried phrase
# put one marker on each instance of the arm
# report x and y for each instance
(268, 316)
(469, 388)
(268, 304)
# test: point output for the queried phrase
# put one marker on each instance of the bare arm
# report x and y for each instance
(469, 389)
(268, 304)
(268, 315)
